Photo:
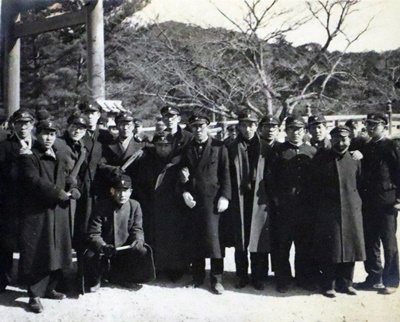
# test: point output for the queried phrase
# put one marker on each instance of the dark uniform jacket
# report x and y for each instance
(338, 235)
(45, 227)
(114, 224)
(259, 235)
(180, 140)
(323, 145)
(286, 172)
(381, 172)
(209, 179)
(118, 225)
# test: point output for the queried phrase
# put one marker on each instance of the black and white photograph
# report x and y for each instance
(199, 160)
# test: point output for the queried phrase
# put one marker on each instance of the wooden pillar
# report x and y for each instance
(12, 58)
(95, 51)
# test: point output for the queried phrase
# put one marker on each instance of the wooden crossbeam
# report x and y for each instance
(53, 23)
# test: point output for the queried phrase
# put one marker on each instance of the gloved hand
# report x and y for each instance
(75, 193)
(223, 204)
(184, 175)
(356, 155)
(108, 250)
(63, 196)
(189, 200)
(138, 246)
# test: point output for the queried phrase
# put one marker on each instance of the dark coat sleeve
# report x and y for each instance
(29, 173)
(95, 239)
(224, 174)
(135, 229)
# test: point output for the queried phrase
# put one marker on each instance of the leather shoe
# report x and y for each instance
(217, 288)
(54, 295)
(284, 288)
(350, 290)
(241, 283)
(368, 286)
(330, 293)
(258, 285)
(35, 305)
(387, 290)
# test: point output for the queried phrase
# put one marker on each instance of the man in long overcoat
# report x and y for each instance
(165, 217)
(10, 149)
(45, 234)
(338, 237)
(249, 209)
(207, 191)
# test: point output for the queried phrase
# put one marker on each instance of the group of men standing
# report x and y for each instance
(193, 197)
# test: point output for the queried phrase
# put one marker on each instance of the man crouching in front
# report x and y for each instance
(116, 249)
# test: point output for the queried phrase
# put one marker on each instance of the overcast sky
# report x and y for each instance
(383, 34)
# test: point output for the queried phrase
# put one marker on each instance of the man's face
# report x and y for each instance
(76, 131)
(93, 117)
(232, 133)
(318, 131)
(200, 131)
(23, 129)
(269, 131)
(295, 134)
(171, 121)
(125, 129)
(138, 129)
(46, 138)
(163, 149)
(340, 143)
(375, 130)
(248, 129)
(121, 196)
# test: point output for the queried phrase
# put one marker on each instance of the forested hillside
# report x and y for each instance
(214, 70)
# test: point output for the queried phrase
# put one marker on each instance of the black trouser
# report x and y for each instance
(259, 263)
(259, 260)
(199, 269)
(337, 275)
(380, 225)
(125, 266)
(292, 226)
(6, 265)
(40, 285)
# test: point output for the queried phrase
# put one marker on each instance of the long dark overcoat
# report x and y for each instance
(45, 234)
(209, 179)
(165, 219)
(338, 228)
(90, 187)
(260, 239)
(9, 204)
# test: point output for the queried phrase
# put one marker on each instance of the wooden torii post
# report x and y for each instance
(12, 30)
